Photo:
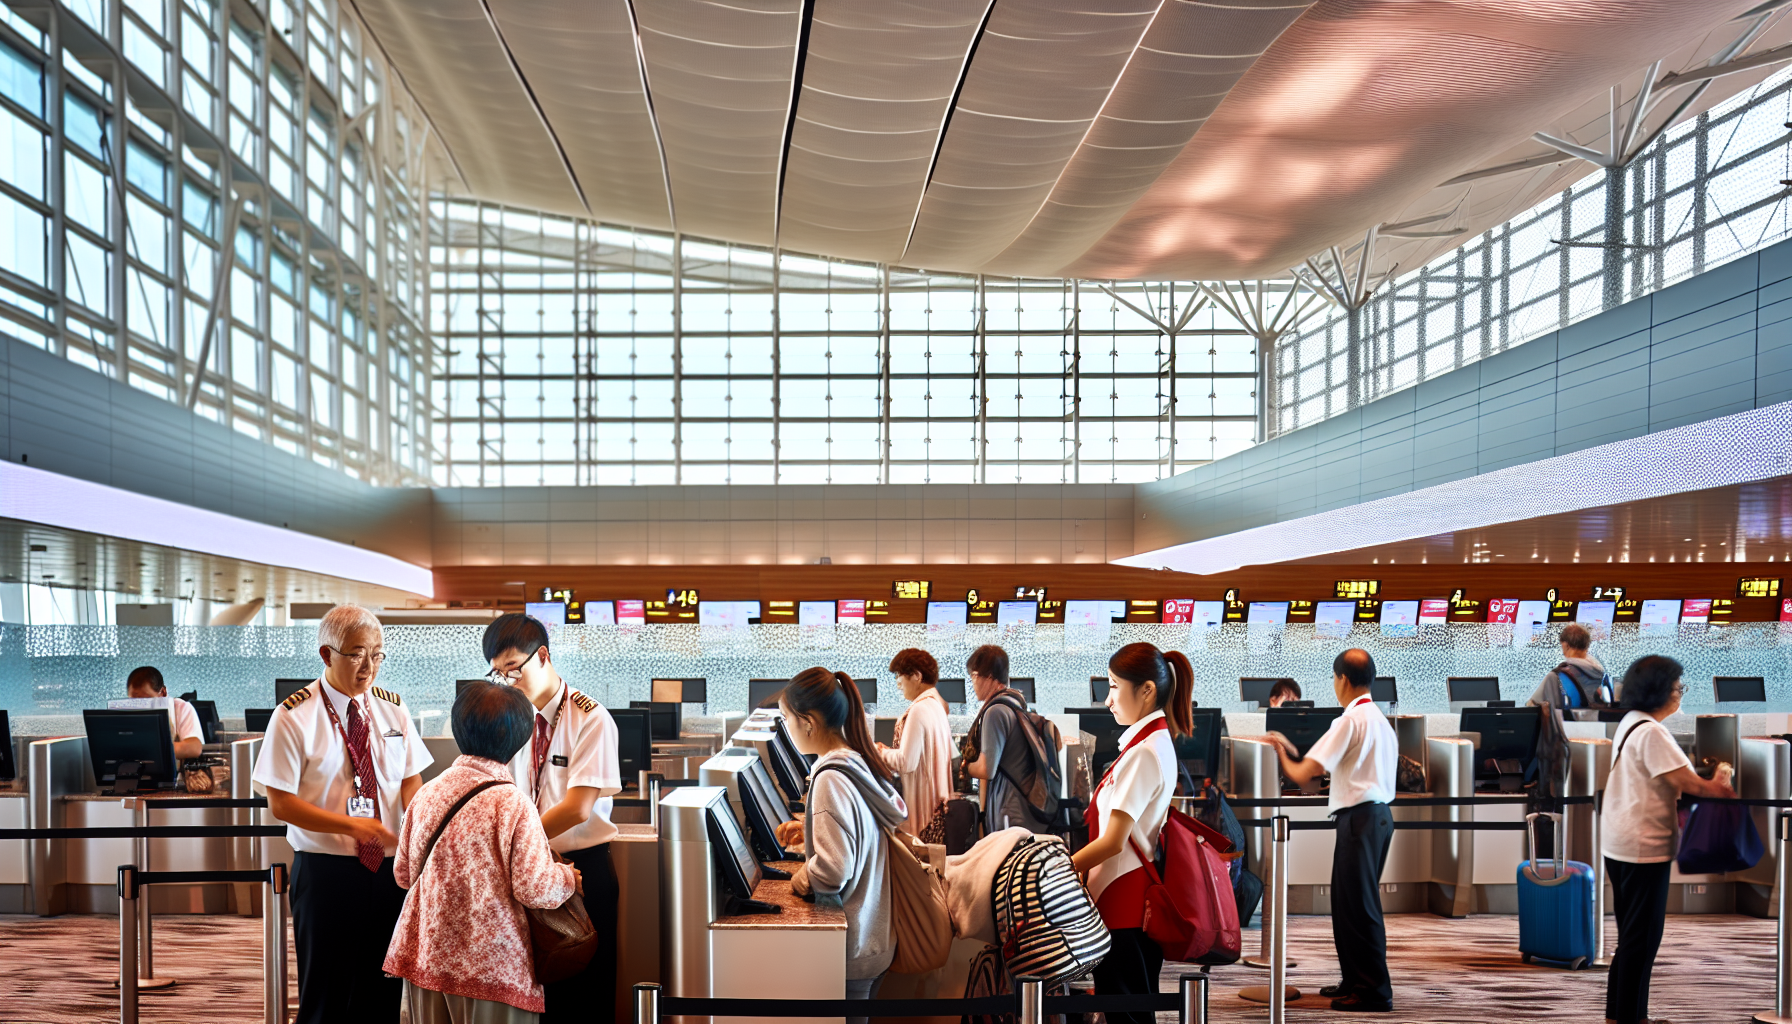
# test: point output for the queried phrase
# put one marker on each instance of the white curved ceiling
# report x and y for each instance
(1120, 139)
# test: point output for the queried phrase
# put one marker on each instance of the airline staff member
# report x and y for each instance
(339, 764)
(189, 738)
(570, 770)
(1361, 753)
(1151, 693)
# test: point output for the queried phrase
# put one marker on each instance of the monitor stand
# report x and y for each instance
(1511, 783)
(129, 779)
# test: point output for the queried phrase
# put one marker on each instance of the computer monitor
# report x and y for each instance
(1025, 685)
(1099, 722)
(788, 765)
(1507, 743)
(8, 771)
(1200, 750)
(763, 693)
(883, 730)
(679, 691)
(1739, 689)
(1475, 690)
(256, 719)
(763, 808)
(1098, 688)
(867, 688)
(209, 722)
(1255, 690)
(284, 688)
(1302, 726)
(634, 743)
(735, 864)
(131, 749)
(952, 691)
(1383, 690)
(665, 720)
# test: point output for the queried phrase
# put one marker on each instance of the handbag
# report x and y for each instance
(1190, 909)
(1719, 838)
(563, 938)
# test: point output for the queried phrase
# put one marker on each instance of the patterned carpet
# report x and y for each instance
(1712, 969)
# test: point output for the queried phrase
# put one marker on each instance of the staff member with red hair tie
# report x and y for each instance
(1151, 693)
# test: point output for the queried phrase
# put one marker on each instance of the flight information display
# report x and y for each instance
(1757, 587)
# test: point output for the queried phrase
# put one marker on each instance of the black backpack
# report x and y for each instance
(1043, 744)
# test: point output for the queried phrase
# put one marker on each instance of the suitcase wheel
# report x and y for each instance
(1526, 958)
(1580, 963)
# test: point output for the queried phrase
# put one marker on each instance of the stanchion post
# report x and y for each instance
(275, 999)
(1032, 1000)
(651, 789)
(647, 1003)
(1278, 942)
(1782, 974)
(1194, 999)
(1266, 927)
(1598, 861)
(146, 954)
(127, 944)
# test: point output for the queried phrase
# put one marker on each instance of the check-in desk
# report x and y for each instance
(92, 866)
(635, 853)
(15, 855)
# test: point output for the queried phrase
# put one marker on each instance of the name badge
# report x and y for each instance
(558, 760)
(360, 807)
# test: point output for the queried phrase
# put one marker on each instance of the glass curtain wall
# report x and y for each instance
(222, 204)
(580, 353)
(1710, 190)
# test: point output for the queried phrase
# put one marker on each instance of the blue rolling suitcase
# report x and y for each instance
(1555, 903)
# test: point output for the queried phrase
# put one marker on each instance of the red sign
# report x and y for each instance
(849, 611)
(1434, 610)
(1503, 609)
(1786, 610)
(1179, 610)
(1695, 610)
(631, 613)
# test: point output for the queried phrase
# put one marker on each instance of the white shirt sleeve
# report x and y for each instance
(282, 758)
(186, 722)
(1136, 784)
(594, 760)
(1329, 749)
(1657, 750)
(416, 754)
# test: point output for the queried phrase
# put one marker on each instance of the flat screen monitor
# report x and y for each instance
(600, 613)
(663, 719)
(1098, 688)
(120, 737)
(1596, 616)
(952, 691)
(1025, 685)
(284, 688)
(1400, 614)
(1302, 726)
(1017, 613)
(1200, 749)
(947, 613)
(1507, 741)
(679, 691)
(1738, 689)
(867, 688)
(766, 792)
(548, 613)
(1267, 613)
(1255, 690)
(735, 864)
(1093, 613)
(1099, 722)
(1383, 690)
(256, 719)
(883, 730)
(1472, 689)
(1334, 618)
(1659, 613)
(815, 613)
(8, 771)
(634, 743)
(761, 813)
(787, 761)
(208, 719)
(763, 693)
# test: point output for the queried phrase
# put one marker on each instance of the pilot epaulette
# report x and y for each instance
(583, 703)
(298, 697)
(386, 695)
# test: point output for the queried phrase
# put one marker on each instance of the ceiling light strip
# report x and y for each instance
(540, 114)
(939, 141)
(653, 117)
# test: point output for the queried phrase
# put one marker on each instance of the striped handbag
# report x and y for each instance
(1047, 923)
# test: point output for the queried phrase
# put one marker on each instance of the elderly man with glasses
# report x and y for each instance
(340, 763)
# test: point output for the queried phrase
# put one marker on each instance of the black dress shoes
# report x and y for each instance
(1332, 991)
(1357, 1004)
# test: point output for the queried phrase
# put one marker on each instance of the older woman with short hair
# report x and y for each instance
(462, 944)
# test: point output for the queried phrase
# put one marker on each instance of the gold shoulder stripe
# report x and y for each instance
(298, 697)
(583, 703)
(386, 695)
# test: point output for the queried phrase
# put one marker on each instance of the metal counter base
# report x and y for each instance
(797, 954)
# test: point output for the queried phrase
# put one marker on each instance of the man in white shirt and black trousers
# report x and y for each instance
(1361, 754)
(570, 769)
(339, 764)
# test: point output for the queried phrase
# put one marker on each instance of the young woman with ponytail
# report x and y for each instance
(1151, 692)
(851, 801)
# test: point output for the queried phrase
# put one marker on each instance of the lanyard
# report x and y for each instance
(1365, 699)
(553, 727)
(348, 750)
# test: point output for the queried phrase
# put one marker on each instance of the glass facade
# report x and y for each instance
(223, 205)
(1707, 191)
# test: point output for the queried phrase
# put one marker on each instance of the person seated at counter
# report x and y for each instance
(146, 682)
(1284, 691)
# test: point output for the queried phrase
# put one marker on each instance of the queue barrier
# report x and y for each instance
(1029, 1003)
(275, 993)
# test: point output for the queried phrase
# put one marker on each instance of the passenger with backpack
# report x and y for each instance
(1580, 681)
(851, 803)
(1013, 751)
(1151, 693)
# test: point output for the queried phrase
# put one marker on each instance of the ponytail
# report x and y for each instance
(834, 698)
(1169, 672)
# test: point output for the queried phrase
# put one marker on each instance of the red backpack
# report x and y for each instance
(1189, 908)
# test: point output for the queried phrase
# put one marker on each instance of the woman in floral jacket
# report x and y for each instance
(462, 943)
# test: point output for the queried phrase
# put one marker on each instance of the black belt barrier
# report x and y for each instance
(150, 832)
(672, 1006)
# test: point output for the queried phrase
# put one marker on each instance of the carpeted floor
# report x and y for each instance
(1712, 969)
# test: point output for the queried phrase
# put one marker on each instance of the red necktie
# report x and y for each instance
(540, 746)
(370, 852)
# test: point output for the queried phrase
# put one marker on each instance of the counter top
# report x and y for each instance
(160, 794)
(798, 913)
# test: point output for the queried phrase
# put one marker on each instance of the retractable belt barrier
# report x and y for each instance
(1029, 1004)
(150, 832)
(275, 995)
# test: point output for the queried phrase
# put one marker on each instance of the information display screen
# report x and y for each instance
(600, 613)
(815, 613)
(849, 612)
(1433, 611)
(1596, 616)
(549, 613)
(947, 613)
(1017, 613)
(1696, 610)
(1659, 613)
(1334, 618)
(1268, 613)
(1399, 618)
(631, 613)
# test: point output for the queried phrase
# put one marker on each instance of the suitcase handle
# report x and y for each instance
(1559, 867)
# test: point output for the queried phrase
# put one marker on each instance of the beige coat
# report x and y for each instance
(923, 758)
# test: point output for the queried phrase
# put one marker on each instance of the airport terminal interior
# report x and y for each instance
(1455, 333)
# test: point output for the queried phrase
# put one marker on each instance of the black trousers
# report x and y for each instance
(1360, 852)
(342, 921)
(1130, 968)
(1640, 898)
(590, 995)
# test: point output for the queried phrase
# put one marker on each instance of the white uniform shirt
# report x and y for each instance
(186, 721)
(1140, 784)
(581, 752)
(1641, 823)
(304, 755)
(1361, 753)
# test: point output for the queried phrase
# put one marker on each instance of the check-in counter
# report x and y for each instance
(15, 856)
(635, 853)
(1450, 770)
(56, 769)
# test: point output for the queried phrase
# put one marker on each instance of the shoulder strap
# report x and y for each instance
(446, 818)
(1618, 751)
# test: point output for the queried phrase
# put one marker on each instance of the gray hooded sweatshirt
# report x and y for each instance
(849, 857)
(1587, 672)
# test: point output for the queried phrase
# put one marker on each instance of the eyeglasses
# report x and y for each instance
(355, 659)
(504, 675)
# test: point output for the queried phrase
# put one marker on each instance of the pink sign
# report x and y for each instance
(1696, 610)
(1434, 610)
(1179, 610)
(631, 613)
(1786, 610)
(849, 611)
(1502, 609)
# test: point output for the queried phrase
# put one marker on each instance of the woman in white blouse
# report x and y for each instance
(922, 755)
(1151, 692)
